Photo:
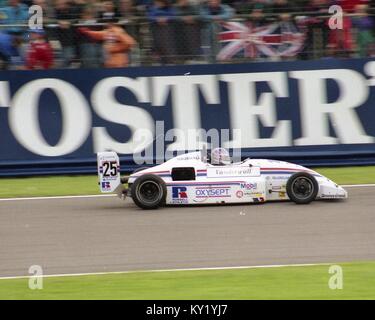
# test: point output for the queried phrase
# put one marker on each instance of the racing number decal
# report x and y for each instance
(109, 169)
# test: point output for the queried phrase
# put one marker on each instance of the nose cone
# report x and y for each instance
(342, 192)
(330, 190)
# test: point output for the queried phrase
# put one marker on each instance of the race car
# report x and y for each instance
(195, 179)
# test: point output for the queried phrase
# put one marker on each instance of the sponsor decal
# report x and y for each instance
(189, 157)
(212, 192)
(249, 186)
(233, 172)
(280, 177)
(239, 194)
(253, 194)
(106, 186)
(332, 196)
(282, 194)
(275, 188)
(179, 195)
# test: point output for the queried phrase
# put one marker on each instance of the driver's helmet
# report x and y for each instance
(220, 156)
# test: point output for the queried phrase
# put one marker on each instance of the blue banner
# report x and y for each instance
(310, 112)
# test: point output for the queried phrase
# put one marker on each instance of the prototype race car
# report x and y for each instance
(195, 179)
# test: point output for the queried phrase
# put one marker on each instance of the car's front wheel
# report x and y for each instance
(149, 191)
(302, 188)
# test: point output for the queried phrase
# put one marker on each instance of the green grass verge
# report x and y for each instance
(349, 175)
(308, 282)
(82, 185)
(48, 186)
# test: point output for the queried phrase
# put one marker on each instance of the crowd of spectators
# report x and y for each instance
(118, 33)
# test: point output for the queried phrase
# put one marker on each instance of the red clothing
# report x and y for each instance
(39, 55)
(349, 5)
(342, 39)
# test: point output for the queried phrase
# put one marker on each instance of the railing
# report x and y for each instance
(196, 41)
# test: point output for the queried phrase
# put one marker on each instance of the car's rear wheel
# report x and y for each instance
(302, 188)
(125, 179)
(139, 169)
(149, 191)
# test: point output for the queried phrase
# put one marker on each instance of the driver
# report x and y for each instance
(220, 157)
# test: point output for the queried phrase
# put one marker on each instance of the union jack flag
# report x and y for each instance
(279, 39)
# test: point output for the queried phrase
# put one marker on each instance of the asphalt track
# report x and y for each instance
(83, 235)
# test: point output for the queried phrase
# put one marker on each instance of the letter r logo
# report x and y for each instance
(179, 193)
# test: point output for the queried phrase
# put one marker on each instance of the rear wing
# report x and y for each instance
(109, 172)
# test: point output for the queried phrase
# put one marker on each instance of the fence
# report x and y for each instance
(198, 41)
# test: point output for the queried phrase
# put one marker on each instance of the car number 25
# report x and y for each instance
(109, 169)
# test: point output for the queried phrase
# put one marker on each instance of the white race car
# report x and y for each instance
(194, 179)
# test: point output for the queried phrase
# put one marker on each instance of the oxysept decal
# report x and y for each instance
(213, 192)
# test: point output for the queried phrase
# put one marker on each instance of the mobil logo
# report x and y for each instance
(179, 193)
(249, 186)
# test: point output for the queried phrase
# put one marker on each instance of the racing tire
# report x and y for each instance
(125, 179)
(149, 192)
(302, 188)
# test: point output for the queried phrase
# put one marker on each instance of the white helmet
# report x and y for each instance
(220, 156)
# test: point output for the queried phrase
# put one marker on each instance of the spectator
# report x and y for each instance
(65, 13)
(162, 16)
(91, 53)
(315, 28)
(340, 41)
(187, 33)
(117, 44)
(129, 13)
(213, 10)
(161, 12)
(127, 10)
(109, 12)
(143, 5)
(212, 13)
(282, 10)
(247, 6)
(9, 53)
(47, 10)
(257, 18)
(281, 7)
(15, 13)
(39, 54)
(349, 6)
(364, 25)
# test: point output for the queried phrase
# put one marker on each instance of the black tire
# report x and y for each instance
(149, 192)
(302, 188)
(125, 179)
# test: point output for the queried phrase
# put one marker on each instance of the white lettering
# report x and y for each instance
(24, 123)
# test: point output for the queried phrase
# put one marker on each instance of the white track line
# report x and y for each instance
(114, 195)
(167, 270)
(358, 185)
(61, 197)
